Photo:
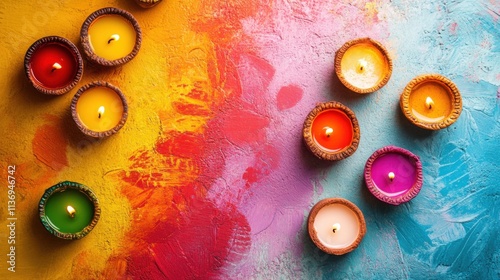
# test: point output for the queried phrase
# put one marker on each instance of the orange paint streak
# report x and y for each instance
(166, 186)
(49, 144)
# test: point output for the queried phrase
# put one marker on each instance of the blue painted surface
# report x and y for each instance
(451, 229)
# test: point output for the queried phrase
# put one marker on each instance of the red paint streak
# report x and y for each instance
(194, 247)
(195, 101)
(149, 171)
(176, 232)
(266, 161)
(49, 144)
(288, 96)
(223, 73)
(241, 126)
(183, 145)
(191, 109)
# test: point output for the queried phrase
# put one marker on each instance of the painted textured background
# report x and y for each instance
(209, 178)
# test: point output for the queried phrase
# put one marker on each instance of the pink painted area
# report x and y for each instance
(266, 174)
(288, 96)
(265, 162)
(271, 67)
(255, 76)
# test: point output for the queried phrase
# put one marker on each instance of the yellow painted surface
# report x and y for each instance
(112, 37)
(172, 60)
(99, 108)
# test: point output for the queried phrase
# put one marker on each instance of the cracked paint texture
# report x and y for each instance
(209, 178)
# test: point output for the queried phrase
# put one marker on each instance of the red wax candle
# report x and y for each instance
(332, 130)
(53, 65)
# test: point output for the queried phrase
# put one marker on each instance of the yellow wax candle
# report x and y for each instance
(431, 102)
(364, 66)
(112, 36)
(100, 108)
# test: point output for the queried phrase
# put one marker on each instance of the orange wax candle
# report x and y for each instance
(331, 131)
(110, 36)
(99, 109)
(363, 65)
(431, 102)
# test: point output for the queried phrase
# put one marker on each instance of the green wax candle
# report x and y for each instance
(58, 215)
(69, 210)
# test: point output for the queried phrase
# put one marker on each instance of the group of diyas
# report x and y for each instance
(392, 174)
(109, 37)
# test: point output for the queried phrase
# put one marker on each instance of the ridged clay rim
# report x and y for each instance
(315, 148)
(53, 40)
(408, 195)
(314, 235)
(85, 39)
(338, 62)
(82, 126)
(61, 187)
(147, 3)
(456, 100)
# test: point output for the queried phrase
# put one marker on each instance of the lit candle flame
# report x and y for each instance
(391, 176)
(71, 211)
(100, 111)
(56, 66)
(114, 37)
(335, 227)
(429, 102)
(328, 131)
(362, 64)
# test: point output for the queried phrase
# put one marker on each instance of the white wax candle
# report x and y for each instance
(364, 65)
(339, 214)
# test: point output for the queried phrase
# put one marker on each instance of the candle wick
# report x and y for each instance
(71, 211)
(328, 131)
(391, 176)
(114, 37)
(100, 112)
(336, 226)
(429, 102)
(56, 66)
(362, 65)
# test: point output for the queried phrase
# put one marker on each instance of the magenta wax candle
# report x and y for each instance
(394, 175)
